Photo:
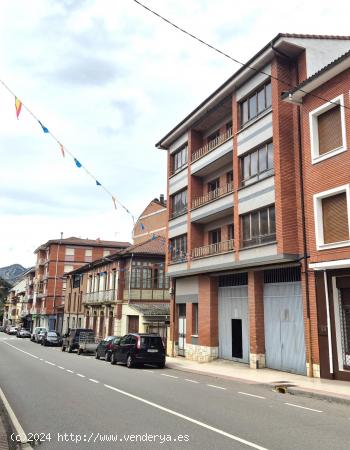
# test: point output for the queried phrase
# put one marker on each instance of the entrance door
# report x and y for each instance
(284, 327)
(233, 323)
(345, 326)
(133, 324)
(182, 329)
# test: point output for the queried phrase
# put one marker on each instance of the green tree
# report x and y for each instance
(4, 288)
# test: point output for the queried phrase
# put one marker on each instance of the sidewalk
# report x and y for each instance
(296, 384)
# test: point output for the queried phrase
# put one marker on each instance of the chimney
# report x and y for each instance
(161, 199)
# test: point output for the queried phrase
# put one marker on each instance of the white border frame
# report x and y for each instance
(318, 217)
(314, 144)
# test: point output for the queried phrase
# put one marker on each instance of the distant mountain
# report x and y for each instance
(12, 273)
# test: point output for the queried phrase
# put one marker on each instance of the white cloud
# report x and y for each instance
(109, 80)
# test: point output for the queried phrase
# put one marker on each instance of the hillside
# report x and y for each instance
(11, 273)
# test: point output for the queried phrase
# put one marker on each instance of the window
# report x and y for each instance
(229, 177)
(213, 139)
(67, 268)
(258, 227)
(179, 158)
(214, 185)
(106, 253)
(332, 218)
(327, 130)
(256, 103)
(230, 231)
(147, 278)
(69, 254)
(257, 164)
(179, 203)
(136, 278)
(215, 236)
(178, 248)
(76, 281)
(195, 319)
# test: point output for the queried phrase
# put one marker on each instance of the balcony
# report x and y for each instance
(213, 249)
(99, 297)
(258, 240)
(212, 195)
(212, 145)
(147, 294)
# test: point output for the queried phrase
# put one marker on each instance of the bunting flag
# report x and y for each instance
(45, 130)
(62, 150)
(18, 106)
(114, 202)
(77, 163)
(142, 227)
(98, 183)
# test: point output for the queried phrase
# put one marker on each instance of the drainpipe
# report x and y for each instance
(302, 201)
(130, 270)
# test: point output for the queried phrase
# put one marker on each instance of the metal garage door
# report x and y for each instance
(233, 323)
(284, 327)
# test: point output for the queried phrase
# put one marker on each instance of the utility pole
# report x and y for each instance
(55, 282)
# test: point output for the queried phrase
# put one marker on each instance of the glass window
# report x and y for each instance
(256, 103)
(268, 95)
(213, 185)
(246, 227)
(195, 318)
(252, 106)
(270, 156)
(69, 251)
(262, 159)
(179, 158)
(215, 236)
(253, 163)
(261, 100)
(179, 203)
(178, 248)
(264, 223)
(255, 224)
(258, 227)
(257, 164)
(272, 220)
(230, 231)
(147, 278)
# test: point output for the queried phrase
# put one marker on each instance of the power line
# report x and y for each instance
(212, 47)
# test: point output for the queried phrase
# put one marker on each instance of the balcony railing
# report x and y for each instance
(212, 195)
(258, 240)
(213, 249)
(100, 297)
(177, 257)
(207, 148)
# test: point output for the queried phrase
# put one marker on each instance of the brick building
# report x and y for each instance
(235, 231)
(127, 291)
(55, 258)
(152, 221)
(325, 131)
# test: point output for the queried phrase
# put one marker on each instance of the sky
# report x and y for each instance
(109, 80)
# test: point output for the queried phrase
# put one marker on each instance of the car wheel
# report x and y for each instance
(129, 362)
(63, 349)
(113, 359)
(70, 349)
(107, 356)
(80, 351)
(161, 365)
(44, 344)
(97, 356)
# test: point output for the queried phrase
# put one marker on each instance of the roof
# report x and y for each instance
(84, 242)
(327, 72)
(152, 247)
(252, 62)
(152, 309)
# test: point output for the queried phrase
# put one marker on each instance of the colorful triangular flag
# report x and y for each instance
(45, 130)
(98, 183)
(18, 106)
(142, 227)
(77, 163)
(114, 202)
(62, 150)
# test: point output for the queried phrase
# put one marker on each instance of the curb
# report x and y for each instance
(289, 388)
(13, 424)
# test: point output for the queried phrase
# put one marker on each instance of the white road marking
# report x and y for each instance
(304, 407)
(41, 359)
(189, 419)
(216, 387)
(70, 371)
(29, 354)
(60, 367)
(252, 395)
(170, 376)
(80, 375)
(191, 381)
(51, 364)
(148, 371)
(94, 381)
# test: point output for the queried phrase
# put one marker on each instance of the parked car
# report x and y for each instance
(36, 331)
(12, 330)
(51, 338)
(104, 348)
(39, 336)
(2, 328)
(23, 333)
(136, 349)
(80, 339)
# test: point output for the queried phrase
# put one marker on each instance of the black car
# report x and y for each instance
(71, 339)
(104, 348)
(136, 349)
(51, 338)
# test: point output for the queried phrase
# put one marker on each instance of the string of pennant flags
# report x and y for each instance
(19, 106)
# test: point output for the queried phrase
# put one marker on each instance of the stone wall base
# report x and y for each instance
(201, 353)
(257, 360)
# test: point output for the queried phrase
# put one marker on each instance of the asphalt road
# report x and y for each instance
(83, 403)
